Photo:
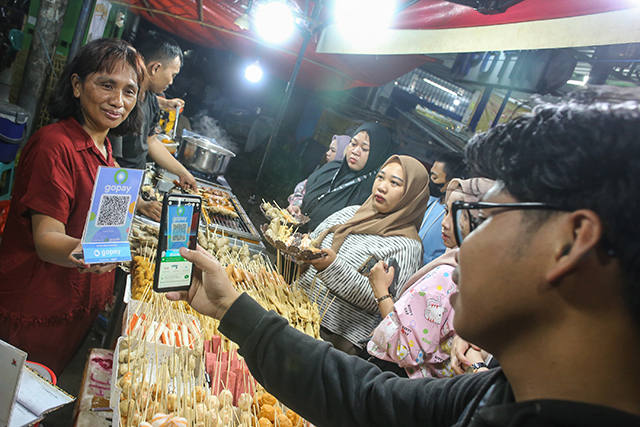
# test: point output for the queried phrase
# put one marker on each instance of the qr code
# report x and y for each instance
(179, 232)
(113, 210)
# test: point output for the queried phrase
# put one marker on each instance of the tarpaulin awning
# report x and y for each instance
(212, 26)
(432, 27)
(426, 26)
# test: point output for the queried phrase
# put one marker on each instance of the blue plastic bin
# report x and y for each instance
(13, 130)
(13, 122)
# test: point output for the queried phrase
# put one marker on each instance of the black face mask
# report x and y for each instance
(435, 189)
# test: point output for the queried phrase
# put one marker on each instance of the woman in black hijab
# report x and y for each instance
(337, 185)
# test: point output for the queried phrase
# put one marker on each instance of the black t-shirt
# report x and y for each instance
(131, 150)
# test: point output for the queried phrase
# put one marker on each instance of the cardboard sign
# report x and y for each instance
(11, 363)
(106, 232)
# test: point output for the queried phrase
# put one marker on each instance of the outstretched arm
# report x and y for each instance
(162, 157)
(322, 384)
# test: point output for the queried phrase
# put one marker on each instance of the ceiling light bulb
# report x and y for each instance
(274, 21)
(243, 22)
(253, 73)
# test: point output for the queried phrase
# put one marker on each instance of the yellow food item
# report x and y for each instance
(283, 421)
(268, 399)
(267, 411)
(263, 422)
(295, 418)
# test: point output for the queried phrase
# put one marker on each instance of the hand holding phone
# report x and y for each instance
(178, 229)
(365, 268)
(393, 288)
(378, 281)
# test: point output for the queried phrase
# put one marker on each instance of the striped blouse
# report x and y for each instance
(352, 311)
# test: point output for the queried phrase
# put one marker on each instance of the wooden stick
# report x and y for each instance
(325, 312)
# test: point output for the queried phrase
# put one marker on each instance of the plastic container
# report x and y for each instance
(8, 151)
(13, 130)
(13, 123)
(168, 142)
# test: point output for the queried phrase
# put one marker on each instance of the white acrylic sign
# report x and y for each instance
(99, 20)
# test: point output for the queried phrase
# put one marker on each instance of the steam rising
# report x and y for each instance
(208, 126)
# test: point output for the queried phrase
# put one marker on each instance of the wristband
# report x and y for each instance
(472, 369)
(378, 300)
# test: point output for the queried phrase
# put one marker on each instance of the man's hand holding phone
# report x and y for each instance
(211, 292)
(178, 230)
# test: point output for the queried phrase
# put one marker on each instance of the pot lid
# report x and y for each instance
(208, 144)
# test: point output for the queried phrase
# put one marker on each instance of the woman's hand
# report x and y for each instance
(211, 292)
(459, 362)
(294, 210)
(380, 279)
(322, 263)
(85, 268)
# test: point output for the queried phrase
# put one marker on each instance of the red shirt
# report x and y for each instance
(55, 177)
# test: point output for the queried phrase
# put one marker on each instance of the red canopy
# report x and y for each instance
(438, 14)
(211, 23)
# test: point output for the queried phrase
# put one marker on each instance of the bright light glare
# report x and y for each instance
(253, 72)
(440, 86)
(582, 82)
(456, 102)
(274, 21)
(362, 22)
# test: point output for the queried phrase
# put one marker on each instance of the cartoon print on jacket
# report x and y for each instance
(434, 311)
(402, 351)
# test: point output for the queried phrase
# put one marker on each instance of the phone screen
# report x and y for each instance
(179, 229)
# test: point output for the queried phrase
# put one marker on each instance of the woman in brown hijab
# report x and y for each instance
(385, 226)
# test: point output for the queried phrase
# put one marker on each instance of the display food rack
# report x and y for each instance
(241, 228)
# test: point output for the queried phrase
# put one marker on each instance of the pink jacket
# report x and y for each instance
(417, 335)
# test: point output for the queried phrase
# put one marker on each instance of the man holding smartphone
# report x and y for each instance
(545, 288)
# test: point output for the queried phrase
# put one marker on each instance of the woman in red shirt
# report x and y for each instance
(47, 300)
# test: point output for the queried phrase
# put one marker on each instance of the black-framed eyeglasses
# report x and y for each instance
(459, 208)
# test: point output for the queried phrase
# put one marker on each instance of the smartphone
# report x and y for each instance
(178, 229)
(393, 287)
(365, 268)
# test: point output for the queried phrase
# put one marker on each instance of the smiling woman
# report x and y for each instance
(47, 301)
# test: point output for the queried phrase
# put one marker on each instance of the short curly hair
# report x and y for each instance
(96, 56)
(582, 153)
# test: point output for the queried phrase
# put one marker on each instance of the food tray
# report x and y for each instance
(303, 219)
(240, 227)
(293, 251)
(156, 352)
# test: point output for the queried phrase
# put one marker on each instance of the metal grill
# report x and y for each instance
(240, 226)
(205, 177)
(227, 222)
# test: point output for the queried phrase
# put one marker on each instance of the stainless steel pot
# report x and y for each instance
(202, 155)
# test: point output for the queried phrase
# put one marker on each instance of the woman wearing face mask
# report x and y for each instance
(334, 153)
(47, 301)
(337, 185)
(384, 226)
(423, 315)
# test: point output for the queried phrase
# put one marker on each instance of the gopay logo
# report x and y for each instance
(121, 176)
(180, 210)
